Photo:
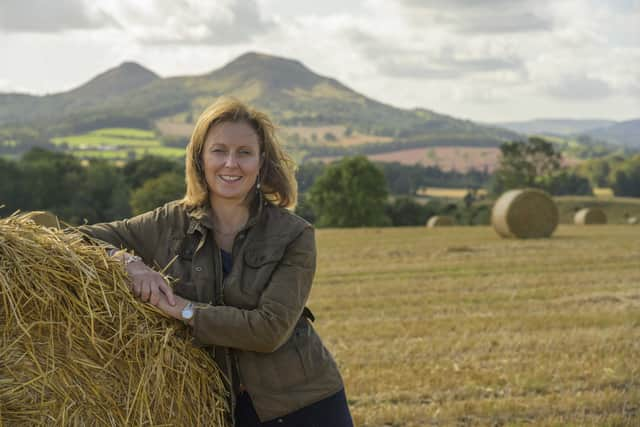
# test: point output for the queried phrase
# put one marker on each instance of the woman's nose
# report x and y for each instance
(230, 160)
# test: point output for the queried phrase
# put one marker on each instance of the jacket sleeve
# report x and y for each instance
(140, 234)
(269, 325)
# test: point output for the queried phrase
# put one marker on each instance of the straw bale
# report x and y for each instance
(632, 220)
(440, 221)
(76, 348)
(590, 216)
(43, 218)
(525, 213)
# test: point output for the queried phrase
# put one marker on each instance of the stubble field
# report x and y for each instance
(455, 326)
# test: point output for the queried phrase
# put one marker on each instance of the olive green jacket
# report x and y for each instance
(253, 321)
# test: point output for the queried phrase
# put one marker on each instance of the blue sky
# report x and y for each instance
(485, 60)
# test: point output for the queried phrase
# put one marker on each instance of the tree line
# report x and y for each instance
(351, 192)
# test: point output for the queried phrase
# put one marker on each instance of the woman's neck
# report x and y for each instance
(229, 216)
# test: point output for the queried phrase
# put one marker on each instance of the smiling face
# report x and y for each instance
(231, 160)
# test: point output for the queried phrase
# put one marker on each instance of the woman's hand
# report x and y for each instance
(175, 310)
(149, 285)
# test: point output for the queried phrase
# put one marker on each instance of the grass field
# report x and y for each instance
(116, 144)
(456, 326)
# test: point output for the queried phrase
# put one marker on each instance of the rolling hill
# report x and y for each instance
(625, 133)
(133, 96)
(564, 127)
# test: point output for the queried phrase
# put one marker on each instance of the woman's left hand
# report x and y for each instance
(174, 311)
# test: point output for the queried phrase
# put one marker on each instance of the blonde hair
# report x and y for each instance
(277, 179)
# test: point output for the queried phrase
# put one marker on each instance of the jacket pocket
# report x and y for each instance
(260, 262)
(314, 357)
(276, 371)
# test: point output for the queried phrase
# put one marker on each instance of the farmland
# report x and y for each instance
(456, 326)
(116, 144)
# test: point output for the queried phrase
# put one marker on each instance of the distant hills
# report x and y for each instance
(555, 126)
(319, 116)
(626, 133)
(131, 95)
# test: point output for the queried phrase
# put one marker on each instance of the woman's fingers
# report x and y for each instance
(136, 288)
(155, 296)
(166, 289)
(150, 286)
(146, 291)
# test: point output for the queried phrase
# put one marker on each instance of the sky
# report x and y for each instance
(483, 60)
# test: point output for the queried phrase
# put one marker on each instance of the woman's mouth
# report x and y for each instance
(229, 178)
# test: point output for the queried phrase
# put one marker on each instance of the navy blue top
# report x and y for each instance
(227, 262)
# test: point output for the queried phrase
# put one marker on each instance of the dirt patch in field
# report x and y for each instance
(461, 159)
(170, 128)
(339, 132)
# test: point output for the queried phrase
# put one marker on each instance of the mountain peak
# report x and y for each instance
(274, 71)
(115, 81)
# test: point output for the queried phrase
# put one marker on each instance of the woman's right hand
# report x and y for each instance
(147, 284)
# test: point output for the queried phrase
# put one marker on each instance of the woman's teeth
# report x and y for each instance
(230, 178)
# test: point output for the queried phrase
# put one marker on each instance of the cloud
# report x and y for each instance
(482, 16)
(190, 21)
(44, 16)
(579, 87)
(446, 62)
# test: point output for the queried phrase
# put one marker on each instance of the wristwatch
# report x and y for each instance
(187, 312)
(128, 259)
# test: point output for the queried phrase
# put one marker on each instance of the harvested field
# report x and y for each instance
(355, 138)
(461, 159)
(457, 326)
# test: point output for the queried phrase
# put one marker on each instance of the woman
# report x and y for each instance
(244, 267)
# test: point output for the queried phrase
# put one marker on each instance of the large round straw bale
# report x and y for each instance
(76, 348)
(590, 216)
(632, 220)
(440, 221)
(43, 218)
(525, 213)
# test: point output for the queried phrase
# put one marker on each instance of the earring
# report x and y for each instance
(258, 183)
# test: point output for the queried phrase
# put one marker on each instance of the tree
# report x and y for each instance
(157, 191)
(12, 191)
(104, 195)
(565, 183)
(350, 193)
(625, 179)
(53, 180)
(138, 171)
(523, 164)
(405, 210)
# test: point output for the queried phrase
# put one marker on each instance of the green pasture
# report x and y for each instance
(117, 144)
(110, 137)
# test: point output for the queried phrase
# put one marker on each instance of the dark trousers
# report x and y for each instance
(330, 412)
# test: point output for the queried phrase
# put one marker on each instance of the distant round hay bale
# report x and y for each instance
(525, 214)
(77, 348)
(43, 218)
(632, 220)
(440, 221)
(590, 216)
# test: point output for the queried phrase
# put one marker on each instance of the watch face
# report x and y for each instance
(187, 312)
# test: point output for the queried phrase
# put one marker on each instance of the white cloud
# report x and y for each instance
(579, 87)
(479, 59)
(44, 16)
(189, 21)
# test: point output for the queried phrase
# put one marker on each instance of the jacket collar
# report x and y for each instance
(202, 217)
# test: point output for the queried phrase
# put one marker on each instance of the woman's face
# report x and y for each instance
(231, 160)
